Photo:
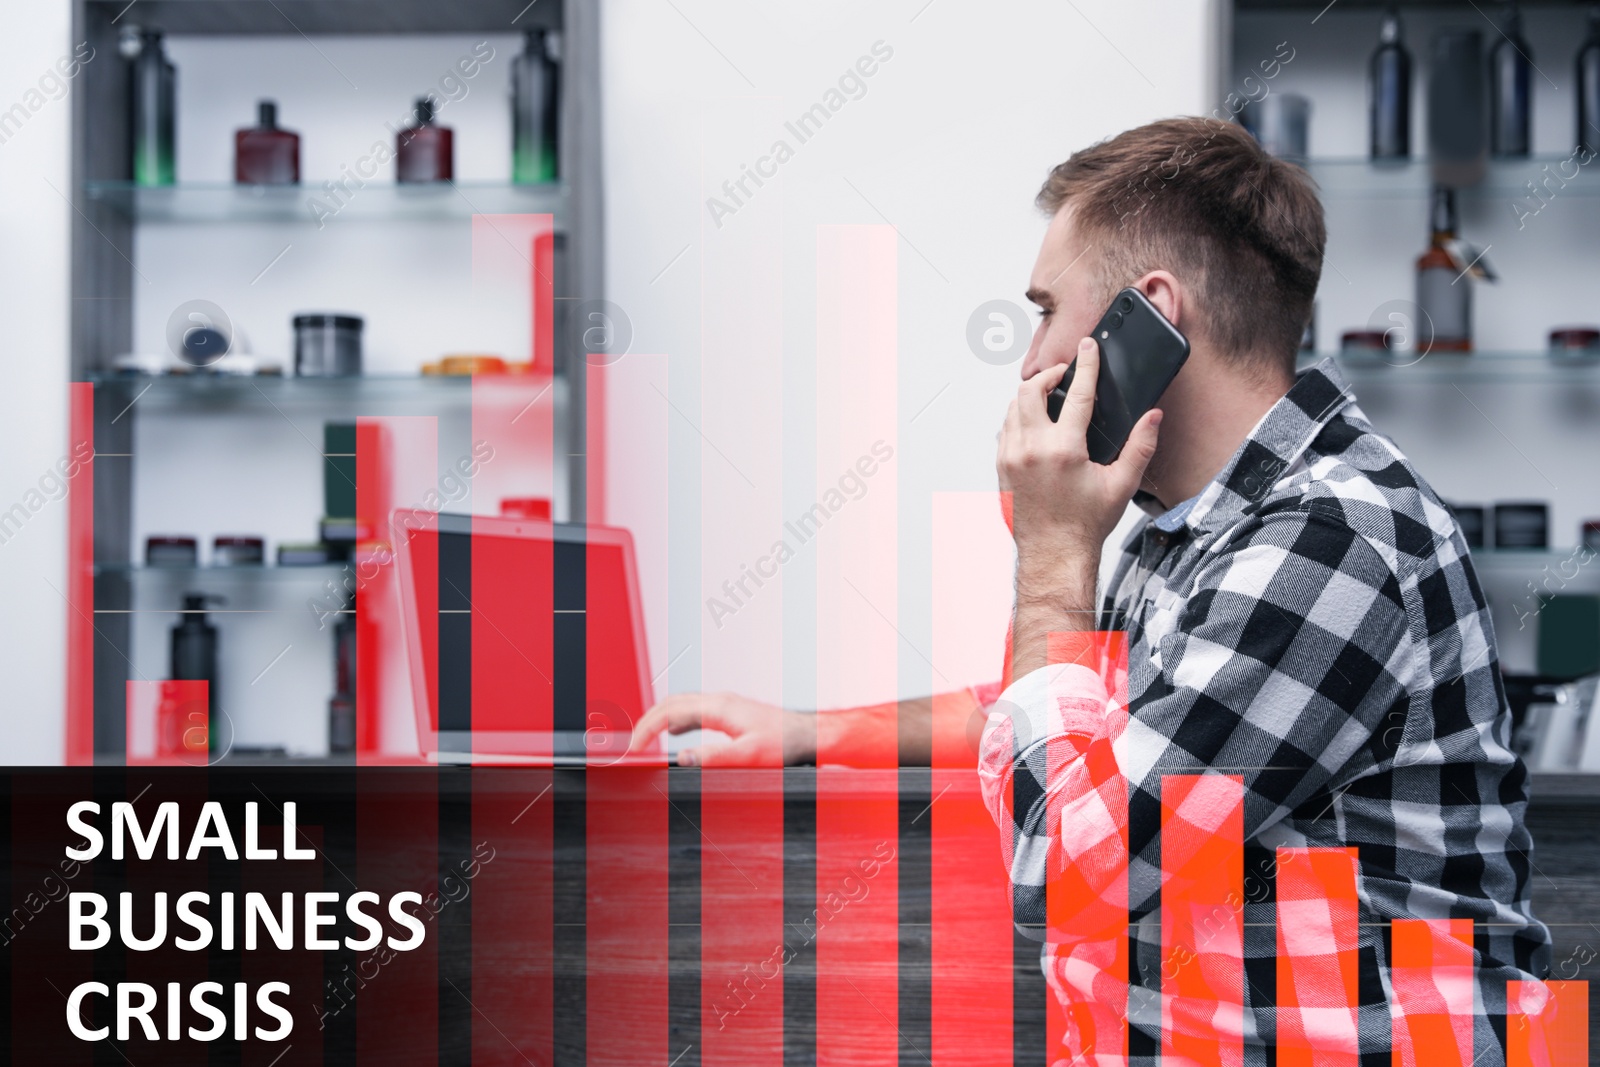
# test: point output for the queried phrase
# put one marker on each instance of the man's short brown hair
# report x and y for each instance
(1199, 197)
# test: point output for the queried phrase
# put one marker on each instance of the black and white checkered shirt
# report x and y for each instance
(1310, 621)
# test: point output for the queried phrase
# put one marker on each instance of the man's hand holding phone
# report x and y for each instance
(1062, 504)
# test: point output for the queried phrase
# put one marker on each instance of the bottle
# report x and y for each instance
(153, 96)
(265, 154)
(194, 654)
(424, 152)
(1389, 92)
(1444, 293)
(342, 706)
(536, 108)
(1511, 90)
(1589, 86)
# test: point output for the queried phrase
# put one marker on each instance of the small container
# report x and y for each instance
(310, 554)
(1471, 519)
(265, 154)
(525, 507)
(169, 551)
(154, 109)
(1589, 535)
(1281, 122)
(327, 345)
(424, 152)
(1575, 343)
(1363, 343)
(237, 551)
(464, 365)
(1522, 525)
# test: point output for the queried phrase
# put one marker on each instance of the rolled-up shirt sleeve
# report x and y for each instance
(1284, 657)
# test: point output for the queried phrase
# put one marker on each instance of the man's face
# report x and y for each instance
(1063, 285)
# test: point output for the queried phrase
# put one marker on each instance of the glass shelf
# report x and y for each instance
(312, 205)
(370, 394)
(1358, 177)
(1444, 368)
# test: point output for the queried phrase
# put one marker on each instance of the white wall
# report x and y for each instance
(34, 233)
(949, 144)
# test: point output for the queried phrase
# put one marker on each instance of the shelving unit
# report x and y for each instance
(1443, 368)
(133, 604)
(1357, 177)
(311, 204)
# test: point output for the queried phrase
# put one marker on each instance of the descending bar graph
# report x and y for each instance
(1317, 961)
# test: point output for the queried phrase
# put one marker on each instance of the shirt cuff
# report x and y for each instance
(1052, 701)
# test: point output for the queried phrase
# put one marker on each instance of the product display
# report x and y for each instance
(1511, 90)
(1458, 129)
(1470, 517)
(171, 551)
(1588, 82)
(1363, 343)
(1446, 304)
(1389, 93)
(1589, 535)
(154, 102)
(525, 507)
(194, 652)
(236, 551)
(308, 554)
(536, 108)
(327, 345)
(1522, 525)
(1575, 342)
(342, 705)
(264, 154)
(1282, 123)
(424, 152)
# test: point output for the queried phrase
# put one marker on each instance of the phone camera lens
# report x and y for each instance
(1125, 304)
(1116, 320)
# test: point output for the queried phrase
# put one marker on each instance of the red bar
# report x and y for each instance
(376, 600)
(1547, 1024)
(626, 895)
(1086, 892)
(744, 946)
(397, 827)
(971, 1008)
(513, 945)
(80, 578)
(1202, 918)
(302, 969)
(1318, 918)
(1432, 973)
(544, 272)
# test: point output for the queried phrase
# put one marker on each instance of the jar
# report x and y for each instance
(327, 345)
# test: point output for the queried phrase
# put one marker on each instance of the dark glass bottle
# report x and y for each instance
(536, 108)
(1389, 93)
(1444, 297)
(424, 152)
(154, 99)
(194, 655)
(1589, 86)
(1511, 90)
(265, 154)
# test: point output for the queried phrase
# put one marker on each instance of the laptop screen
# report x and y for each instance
(525, 628)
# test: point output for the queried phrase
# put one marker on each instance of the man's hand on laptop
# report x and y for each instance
(759, 735)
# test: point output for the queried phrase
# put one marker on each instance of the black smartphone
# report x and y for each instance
(1140, 353)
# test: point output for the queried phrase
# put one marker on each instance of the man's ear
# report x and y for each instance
(1165, 293)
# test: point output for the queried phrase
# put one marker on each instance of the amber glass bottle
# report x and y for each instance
(1444, 293)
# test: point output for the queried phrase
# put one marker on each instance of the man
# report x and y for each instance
(1299, 611)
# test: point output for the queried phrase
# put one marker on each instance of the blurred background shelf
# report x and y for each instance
(313, 204)
(373, 394)
(1444, 368)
